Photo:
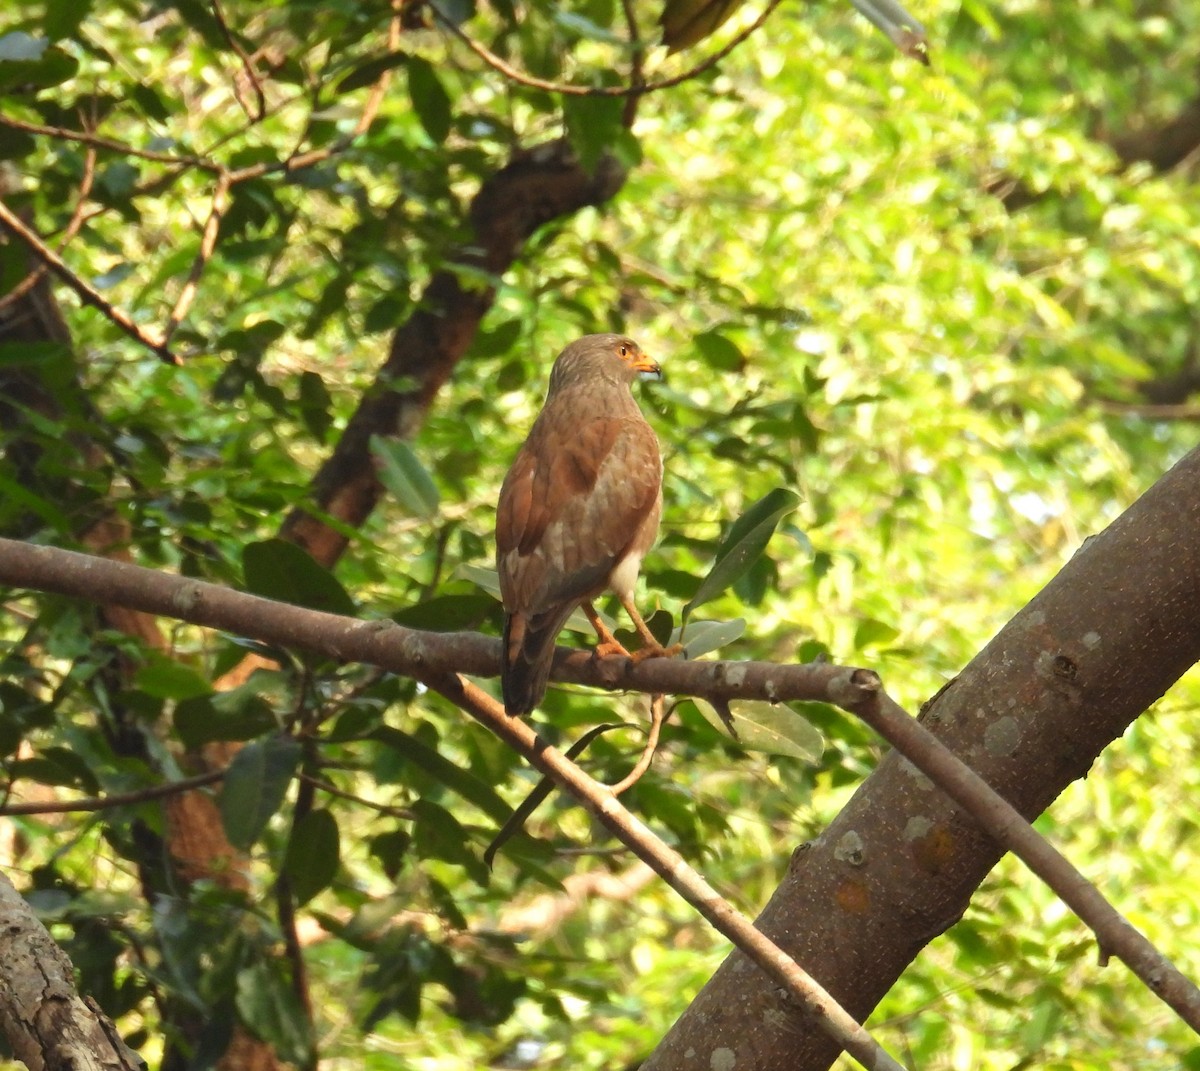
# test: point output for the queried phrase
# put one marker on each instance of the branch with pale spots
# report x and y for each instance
(438, 660)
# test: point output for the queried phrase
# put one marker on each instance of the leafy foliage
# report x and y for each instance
(911, 320)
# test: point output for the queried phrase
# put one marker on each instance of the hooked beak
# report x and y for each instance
(647, 368)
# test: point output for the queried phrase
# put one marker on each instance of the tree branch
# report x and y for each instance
(898, 866)
(113, 799)
(638, 88)
(47, 1024)
(436, 657)
(87, 294)
(671, 867)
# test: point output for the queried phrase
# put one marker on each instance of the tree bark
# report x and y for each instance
(47, 1024)
(1105, 639)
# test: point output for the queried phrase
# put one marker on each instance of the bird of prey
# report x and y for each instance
(578, 510)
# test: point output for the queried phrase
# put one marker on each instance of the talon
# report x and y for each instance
(657, 651)
(611, 650)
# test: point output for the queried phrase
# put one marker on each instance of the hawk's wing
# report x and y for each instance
(575, 501)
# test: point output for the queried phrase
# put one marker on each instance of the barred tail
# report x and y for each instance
(528, 653)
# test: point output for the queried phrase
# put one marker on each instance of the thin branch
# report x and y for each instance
(341, 793)
(862, 694)
(88, 138)
(113, 799)
(247, 64)
(637, 64)
(658, 715)
(208, 243)
(1181, 411)
(568, 89)
(670, 866)
(72, 228)
(86, 293)
(439, 657)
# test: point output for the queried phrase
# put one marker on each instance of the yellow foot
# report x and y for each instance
(612, 649)
(657, 651)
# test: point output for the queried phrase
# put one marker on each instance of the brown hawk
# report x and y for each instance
(578, 510)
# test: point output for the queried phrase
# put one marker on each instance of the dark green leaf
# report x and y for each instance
(255, 786)
(430, 100)
(166, 678)
(225, 716)
(405, 477)
(439, 835)
(368, 72)
(444, 771)
(720, 352)
(269, 1007)
(312, 855)
(315, 404)
(743, 544)
(18, 75)
(447, 613)
(280, 570)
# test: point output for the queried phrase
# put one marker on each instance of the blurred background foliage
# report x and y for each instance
(952, 306)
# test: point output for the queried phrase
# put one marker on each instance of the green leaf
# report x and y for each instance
(280, 570)
(443, 770)
(255, 786)
(872, 633)
(720, 352)
(743, 544)
(368, 72)
(439, 835)
(16, 499)
(771, 727)
(269, 1007)
(237, 715)
(18, 75)
(405, 477)
(705, 636)
(594, 126)
(430, 100)
(315, 405)
(165, 678)
(312, 859)
(447, 613)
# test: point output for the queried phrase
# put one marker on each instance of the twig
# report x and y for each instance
(637, 72)
(1180, 411)
(113, 799)
(208, 242)
(362, 801)
(671, 867)
(78, 215)
(439, 656)
(658, 715)
(247, 65)
(88, 138)
(86, 293)
(568, 89)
